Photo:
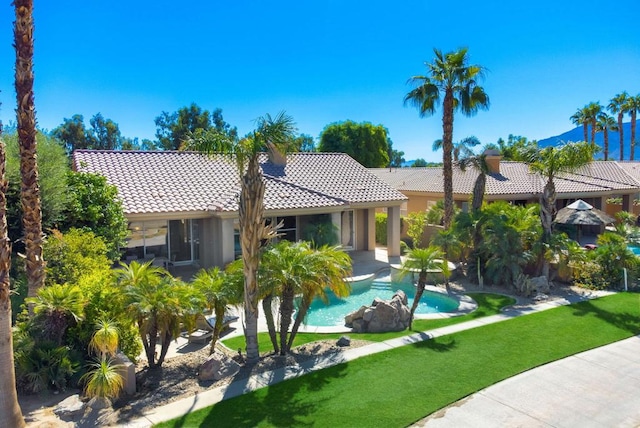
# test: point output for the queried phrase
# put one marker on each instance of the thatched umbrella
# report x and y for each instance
(580, 213)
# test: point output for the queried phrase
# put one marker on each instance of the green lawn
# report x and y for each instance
(400, 386)
(488, 304)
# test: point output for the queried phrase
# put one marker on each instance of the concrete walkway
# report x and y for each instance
(562, 393)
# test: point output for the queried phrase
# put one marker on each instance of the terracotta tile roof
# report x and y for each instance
(171, 182)
(515, 179)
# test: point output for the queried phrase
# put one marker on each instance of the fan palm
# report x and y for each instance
(450, 78)
(632, 106)
(605, 124)
(617, 106)
(462, 147)
(479, 162)
(549, 163)
(26, 118)
(271, 133)
(580, 118)
(422, 260)
(592, 111)
(10, 413)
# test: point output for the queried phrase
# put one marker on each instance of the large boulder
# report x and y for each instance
(216, 367)
(381, 316)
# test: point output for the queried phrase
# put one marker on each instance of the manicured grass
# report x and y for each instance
(488, 304)
(401, 386)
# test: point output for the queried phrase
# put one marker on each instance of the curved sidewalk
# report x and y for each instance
(243, 386)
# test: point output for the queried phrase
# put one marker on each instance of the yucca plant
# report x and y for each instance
(104, 380)
(105, 340)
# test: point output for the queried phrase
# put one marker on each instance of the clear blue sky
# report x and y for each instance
(323, 62)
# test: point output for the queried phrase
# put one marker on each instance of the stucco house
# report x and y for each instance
(513, 182)
(182, 207)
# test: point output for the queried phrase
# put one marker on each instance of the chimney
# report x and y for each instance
(493, 157)
(275, 157)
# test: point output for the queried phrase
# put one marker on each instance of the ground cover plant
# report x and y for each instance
(488, 304)
(428, 375)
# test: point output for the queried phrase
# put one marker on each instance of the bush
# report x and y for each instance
(381, 228)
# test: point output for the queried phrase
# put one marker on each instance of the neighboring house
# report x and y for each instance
(512, 181)
(182, 207)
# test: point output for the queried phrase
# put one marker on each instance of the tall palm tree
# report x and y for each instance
(452, 78)
(617, 106)
(461, 148)
(549, 163)
(26, 118)
(271, 133)
(605, 124)
(422, 260)
(632, 106)
(580, 118)
(592, 110)
(10, 413)
(479, 162)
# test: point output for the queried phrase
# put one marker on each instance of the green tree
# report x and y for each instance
(365, 142)
(94, 205)
(511, 149)
(548, 163)
(422, 260)
(104, 134)
(72, 133)
(272, 134)
(419, 163)
(592, 111)
(173, 130)
(10, 413)
(581, 117)
(452, 78)
(53, 166)
(461, 148)
(617, 106)
(303, 143)
(605, 124)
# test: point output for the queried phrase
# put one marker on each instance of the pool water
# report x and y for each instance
(635, 250)
(333, 313)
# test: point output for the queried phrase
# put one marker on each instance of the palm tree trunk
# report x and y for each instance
(478, 192)
(633, 134)
(585, 126)
(271, 325)
(10, 413)
(593, 130)
(286, 313)
(26, 118)
(422, 282)
(606, 143)
(251, 231)
(219, 311)
(166, 340)
(547, 211)
(302, 312)
(149, 340)
(621, 131)
(447, 149)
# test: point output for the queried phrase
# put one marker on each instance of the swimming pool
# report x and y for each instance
(635, 250)
(362, 294)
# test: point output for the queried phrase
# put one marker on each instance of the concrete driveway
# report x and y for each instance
(597, 388)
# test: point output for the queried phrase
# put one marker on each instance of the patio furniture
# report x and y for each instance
(205, 326)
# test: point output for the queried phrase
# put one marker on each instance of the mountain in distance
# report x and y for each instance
(577, 134)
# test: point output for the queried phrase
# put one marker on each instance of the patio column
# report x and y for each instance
(227, 242)
(371, 229)
(393, 231)
(626, 204)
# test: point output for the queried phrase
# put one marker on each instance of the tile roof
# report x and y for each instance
(171, 182)
(515, 179)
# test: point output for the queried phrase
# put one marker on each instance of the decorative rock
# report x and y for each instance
(381, 316)
(344, 341)
(128, 372)
(539, 284)
(216, 367)
(70, 407)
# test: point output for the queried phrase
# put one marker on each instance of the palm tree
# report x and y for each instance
(580, 118)
(422, 260)
(462, 147)
(617, 106)
(550, 162)
(299, 269)
(158, 303)
(479, 162)
(452, 78)
(10, 413)
(26, 118)
(605, 124)
(592, 110)
(218, 293)
(270, 134)
(632, 106)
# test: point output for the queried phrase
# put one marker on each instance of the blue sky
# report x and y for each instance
(323, 62)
